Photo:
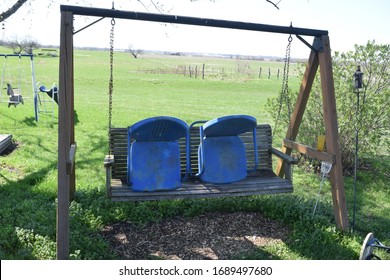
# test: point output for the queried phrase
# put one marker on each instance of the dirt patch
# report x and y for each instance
(211, 236)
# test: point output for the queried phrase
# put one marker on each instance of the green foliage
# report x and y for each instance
(40, 247)
(373, 117)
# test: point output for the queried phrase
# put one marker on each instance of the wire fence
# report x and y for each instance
(202, 71)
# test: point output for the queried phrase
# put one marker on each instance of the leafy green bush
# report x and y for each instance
(40, 247)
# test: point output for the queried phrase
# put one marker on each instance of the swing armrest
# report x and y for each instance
(285, 157)
(288, 160)
(108, 163)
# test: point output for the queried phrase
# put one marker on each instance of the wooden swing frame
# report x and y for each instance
(320, 56)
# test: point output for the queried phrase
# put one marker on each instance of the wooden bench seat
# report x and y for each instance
(5, 141)
(260, 181)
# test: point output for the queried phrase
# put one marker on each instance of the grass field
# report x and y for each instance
(157, 85)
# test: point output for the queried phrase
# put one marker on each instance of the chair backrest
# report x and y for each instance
(158, 129)
(222, 153)
(229, 126)
(153, 158)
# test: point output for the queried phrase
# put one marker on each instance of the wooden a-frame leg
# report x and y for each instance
(66, 138)
(300, 105)
(324, 60)
(332, 136)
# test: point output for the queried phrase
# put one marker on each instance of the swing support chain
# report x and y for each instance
(111, 81)
(284, 96)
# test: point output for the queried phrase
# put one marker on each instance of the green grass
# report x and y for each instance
(28, 175)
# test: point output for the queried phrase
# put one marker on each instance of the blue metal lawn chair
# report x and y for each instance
(221, 154)
(153, 160)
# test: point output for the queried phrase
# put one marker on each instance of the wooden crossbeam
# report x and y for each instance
(311, 152)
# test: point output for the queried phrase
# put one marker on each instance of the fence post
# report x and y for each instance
(259, 72)
(269, 73)
(203, 72)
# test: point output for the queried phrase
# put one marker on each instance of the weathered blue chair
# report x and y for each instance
(153, 160)
(221, 154)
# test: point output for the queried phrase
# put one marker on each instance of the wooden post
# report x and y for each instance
(300, 105)
(66, 174)
(259, 72)
(203, 72)
(332, 135)
(269, 73)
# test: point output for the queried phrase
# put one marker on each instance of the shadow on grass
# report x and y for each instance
(27, 217)
(29, 121)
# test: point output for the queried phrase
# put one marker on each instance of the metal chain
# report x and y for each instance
(284, 96)
(111, 83)
(286, 75)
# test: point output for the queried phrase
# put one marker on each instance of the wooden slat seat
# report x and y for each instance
(260, 181)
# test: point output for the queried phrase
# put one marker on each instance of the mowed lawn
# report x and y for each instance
(154, 85)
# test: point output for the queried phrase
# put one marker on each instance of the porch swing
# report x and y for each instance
(260, 177)
(14, 93)
(237, 153)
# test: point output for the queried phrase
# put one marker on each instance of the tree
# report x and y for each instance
(6, 14)
(27, 45)
(374, 114)
(134, 52)
(19, 3)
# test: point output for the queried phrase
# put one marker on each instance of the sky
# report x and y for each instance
(349, 22)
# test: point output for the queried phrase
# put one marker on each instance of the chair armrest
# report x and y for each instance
(287, 158)
(108, 163)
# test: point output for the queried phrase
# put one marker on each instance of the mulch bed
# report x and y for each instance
(211, 236)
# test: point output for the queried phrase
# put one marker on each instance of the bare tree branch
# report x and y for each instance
(12, 10)
(19, 3)
(275, 5)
